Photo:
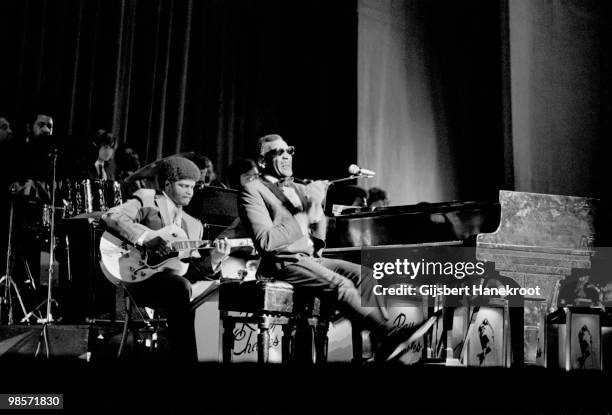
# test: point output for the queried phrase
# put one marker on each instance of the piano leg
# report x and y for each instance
(517, 335)
(357, 340)
(228, 340)
(287, 343)
(263, 341)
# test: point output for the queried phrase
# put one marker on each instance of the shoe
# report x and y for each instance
(398, 339)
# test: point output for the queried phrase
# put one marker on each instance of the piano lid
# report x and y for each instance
(413, 224)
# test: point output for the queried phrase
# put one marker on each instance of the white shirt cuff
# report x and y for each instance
(141, 238)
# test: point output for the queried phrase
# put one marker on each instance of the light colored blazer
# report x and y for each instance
(274, 229)
(147, 210)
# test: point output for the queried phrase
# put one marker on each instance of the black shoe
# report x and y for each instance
(398, 339)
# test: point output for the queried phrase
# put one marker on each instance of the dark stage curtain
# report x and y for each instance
(561, 63)
(183, 75)
(431, 99)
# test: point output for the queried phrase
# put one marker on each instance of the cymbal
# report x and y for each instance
(151, 169)
(92, 215)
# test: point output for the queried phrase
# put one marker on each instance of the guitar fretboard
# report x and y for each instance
(181, 245)
(233, 243)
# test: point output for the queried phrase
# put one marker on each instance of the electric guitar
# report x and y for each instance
(124, 262)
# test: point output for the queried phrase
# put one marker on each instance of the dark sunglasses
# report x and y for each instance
(279, 151)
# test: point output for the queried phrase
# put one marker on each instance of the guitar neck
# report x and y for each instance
(203, 244)
(182, 245)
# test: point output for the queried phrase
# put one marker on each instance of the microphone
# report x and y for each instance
(355, 169)
(302, 181)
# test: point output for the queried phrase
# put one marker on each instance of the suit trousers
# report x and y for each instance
(340, 278)
(172, 293)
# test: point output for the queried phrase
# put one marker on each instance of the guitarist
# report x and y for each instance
(148, 210)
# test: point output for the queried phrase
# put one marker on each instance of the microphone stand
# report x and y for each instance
(6, 301)
(351, 177)
(44, 338)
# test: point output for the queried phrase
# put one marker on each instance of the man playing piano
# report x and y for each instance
(288, 227)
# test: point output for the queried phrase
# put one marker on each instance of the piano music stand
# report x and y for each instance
(215, 207)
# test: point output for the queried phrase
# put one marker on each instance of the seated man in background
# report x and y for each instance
(34, 174)
(147, 211)
(241, 172)
(377, 197)
(103, 168)
(208, 176)
(31, 176)
(288, 227)
(5, 129)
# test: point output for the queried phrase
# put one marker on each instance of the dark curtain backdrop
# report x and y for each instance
(561, 79)
(180, 75)
(458, 99)
(431, 99)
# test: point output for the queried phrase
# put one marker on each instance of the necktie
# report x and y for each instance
(101, 172)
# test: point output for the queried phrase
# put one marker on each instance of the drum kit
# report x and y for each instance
(91, 198)
(83, 199)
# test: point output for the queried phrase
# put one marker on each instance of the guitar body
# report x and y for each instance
(122, 262)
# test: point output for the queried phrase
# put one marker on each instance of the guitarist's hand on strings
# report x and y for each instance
(157, 245)
(221, 251)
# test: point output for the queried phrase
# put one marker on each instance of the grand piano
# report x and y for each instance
(529, 239)
(420, 224)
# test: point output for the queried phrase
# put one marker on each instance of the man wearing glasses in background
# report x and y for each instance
(288, 227)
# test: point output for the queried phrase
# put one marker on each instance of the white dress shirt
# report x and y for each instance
(176, 213)
(101, 170)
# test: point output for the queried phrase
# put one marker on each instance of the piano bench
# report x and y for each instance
(267, 303)
(311, 324)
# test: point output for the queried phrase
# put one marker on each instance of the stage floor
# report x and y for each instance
(247, 388)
